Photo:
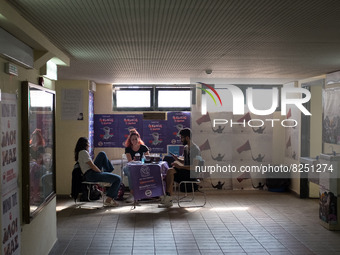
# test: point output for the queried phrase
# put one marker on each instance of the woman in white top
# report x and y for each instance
(93, 170)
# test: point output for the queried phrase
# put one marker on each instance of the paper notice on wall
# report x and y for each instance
(331, 116)
(10, 218)
(72, 104)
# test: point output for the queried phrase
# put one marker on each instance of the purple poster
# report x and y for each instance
(125, 123)
(155, 134)
(176, 122)
(111, 130)
(105, 130)
(91, 123)
(147, 179)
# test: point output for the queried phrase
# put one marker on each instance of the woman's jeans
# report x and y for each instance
(104, 164)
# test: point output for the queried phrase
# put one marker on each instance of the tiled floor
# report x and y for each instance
(232, 222)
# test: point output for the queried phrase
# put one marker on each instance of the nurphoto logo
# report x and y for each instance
(289, 96)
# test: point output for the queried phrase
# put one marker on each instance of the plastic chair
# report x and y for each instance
(123, 164)
(102, 185)
(120, 163)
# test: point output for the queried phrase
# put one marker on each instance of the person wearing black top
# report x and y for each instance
(133, 145)
(143, 150)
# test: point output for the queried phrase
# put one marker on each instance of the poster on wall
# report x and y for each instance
(331, 117)
(175, 122)
(155, 135)
(72, 104)
(111, 130)
(292, 133)
(106, 130)
(91, 123)
(126, 122)
(10, 219)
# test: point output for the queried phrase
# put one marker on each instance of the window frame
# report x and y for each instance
(153, 96)
(131, 88)
(157, 89)
(244, 87)
(31, 210)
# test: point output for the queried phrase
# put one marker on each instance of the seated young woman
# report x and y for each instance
(133, 145)
(98, 170)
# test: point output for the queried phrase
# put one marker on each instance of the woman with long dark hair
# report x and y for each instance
(92, 170)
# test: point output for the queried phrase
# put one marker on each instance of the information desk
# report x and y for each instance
(147, 179)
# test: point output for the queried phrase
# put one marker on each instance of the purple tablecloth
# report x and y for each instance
(147, 179)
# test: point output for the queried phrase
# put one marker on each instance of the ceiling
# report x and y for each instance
(173, 41)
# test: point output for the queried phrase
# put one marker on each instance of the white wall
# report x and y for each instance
(104, 94)
(315, 135)
(316, 121)
(315, 132)
(39, 236)
(327, 147)
(67, 133)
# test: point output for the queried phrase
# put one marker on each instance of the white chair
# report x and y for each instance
(123, 163)
(120, 163)
(102, 185)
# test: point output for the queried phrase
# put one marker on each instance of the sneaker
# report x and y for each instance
(130, 199)
(112, 203)
(166, 202)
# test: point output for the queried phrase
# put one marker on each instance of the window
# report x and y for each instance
(40, 100)
(38, 149)
(261, 96)
(133, 98)
(173, 98)
(153, 98)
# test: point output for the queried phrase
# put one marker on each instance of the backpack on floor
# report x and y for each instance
(121, 192)
(95, 193)
(77, 178)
